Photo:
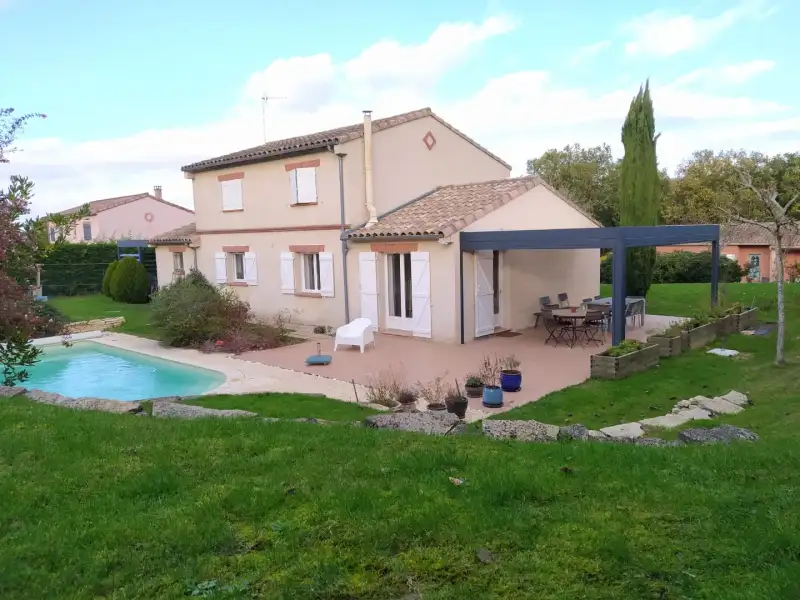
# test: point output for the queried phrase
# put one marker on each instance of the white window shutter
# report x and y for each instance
(220, 262)
(306, 185)
(484, 294)
(421, 293)
(250, 268)
(287, 272)
(326, 274)
(368, 281)
(232, 194)
(293, 183)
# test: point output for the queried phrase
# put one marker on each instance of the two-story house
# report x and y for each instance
(134, 217)
(362, 221)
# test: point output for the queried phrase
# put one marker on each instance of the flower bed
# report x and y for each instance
(621, 361)
(669, 345)
(699, 336)
(746, 319)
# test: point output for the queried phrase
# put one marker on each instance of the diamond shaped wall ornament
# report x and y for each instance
(429, 140)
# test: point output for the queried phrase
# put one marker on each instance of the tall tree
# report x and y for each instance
(640, 186)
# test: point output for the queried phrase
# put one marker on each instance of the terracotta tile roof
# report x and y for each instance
(749, 234)
(447, 209)
(182, 235)
(318, 141)
(97, 206)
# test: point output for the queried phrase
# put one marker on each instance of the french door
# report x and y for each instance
(399, 297)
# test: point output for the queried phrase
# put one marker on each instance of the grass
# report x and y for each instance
(105, 506)
(83, 308)
(287, 406)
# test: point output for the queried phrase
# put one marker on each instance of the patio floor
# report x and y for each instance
(545, 368)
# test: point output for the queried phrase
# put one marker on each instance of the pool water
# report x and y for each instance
(91, 369)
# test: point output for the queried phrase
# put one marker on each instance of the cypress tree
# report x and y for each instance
(640, 200)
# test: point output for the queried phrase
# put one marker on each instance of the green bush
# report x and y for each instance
(49, 320)
(682, 267)
(623, 348)
(130, 282)
(107, 278)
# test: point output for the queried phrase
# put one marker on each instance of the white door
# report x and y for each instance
(497, 270)
(399, 295)
(368, 278)
(421, 294)
(484, 294)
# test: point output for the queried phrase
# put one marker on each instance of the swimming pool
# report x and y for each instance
(94, 370)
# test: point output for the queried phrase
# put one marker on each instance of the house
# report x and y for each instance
(136, 217)
(363, 220)
(751, 246)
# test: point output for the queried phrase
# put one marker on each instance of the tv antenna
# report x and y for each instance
(265, 98)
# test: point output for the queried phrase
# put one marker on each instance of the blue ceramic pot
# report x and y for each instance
(511, 381)
(492, 396)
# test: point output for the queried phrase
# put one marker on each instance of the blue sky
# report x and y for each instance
(133, 90)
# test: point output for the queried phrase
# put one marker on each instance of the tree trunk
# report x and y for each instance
(779, 359)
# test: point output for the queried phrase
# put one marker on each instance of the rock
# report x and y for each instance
(433, 423)
(170, 398)
(49, 398)
(667, 421)
(526, 431)
(651, 441)
(715, 435)
(573, 432)
(484, 556)
(406, 408)
(625, 430)
(720, 406)
(695, 401)
(188, 411)
(105, 405)
(596, 435)
(9, 391)
(683, 404)
(695, 413)
(736, 398)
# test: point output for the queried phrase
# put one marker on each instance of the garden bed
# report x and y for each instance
(606, 366)
(699, 336)
(668, 345)
(746, 319)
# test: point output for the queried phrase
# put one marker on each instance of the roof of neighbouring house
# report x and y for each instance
(181, 235)
(97, 206)
(447, 209)
(752, 234)
(320, 140)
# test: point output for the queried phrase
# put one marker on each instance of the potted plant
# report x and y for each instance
(490, 376)
(510, 375)
(626, 358)
(433, 393)
(406, 397)
(456, 403)
(473, 386)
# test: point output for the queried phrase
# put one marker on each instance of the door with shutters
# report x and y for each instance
(421, 294)
(368, 284)
(484, 294)
(399, 292)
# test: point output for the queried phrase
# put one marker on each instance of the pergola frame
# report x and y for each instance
(617, 239)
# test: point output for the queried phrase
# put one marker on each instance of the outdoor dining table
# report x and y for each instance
(629, 300)
(574, 315)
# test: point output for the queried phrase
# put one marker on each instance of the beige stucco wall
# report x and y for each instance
(128, 221)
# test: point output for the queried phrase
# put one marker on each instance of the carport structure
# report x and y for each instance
(616, 239)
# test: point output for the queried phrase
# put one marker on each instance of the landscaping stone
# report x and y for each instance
(188, 411)
(595, 435)
(573, 432)
(433, 423)
(666, 421)
(625, 430)
(695, 401)
(695, 413)
(720, 406)
(736, 398)
(526, 431)
(105, 405)
(651, 441)
(49, 398)
(683, 404)
(716, 435)
(9, 391)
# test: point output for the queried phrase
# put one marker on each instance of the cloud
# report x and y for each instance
(662, 34)
(585, 52)
(735, 74)
(517, 115)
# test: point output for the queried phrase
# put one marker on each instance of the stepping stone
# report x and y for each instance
(526, 431)
(720, 406)
(695, 413)
(626, 430)
(736, 398)
(189, 411)
(432, 423)
(715, 435)
(667, 421)
(573, 432)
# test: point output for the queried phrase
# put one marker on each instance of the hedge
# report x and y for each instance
(76, 269)
(129, 282)
(682, 267)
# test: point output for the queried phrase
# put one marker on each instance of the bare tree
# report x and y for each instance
(779, 225)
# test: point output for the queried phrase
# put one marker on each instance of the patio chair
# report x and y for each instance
(563, 299)
(633, 310)
(544, 302)
(597, 297)
(586, 302)
(356, 333)
(593, 324)
(554, 328)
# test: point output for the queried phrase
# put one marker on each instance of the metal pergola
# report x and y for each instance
(616, 239)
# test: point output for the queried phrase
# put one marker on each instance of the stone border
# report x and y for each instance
(57, 340)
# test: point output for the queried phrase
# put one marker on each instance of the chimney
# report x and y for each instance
(370, 192)
(157, 191)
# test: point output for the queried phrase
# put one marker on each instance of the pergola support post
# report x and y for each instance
(618, 285)
(714, 272)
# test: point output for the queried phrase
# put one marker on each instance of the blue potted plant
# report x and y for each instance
(490, 375)
(510, 375)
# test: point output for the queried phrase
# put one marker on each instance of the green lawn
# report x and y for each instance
(104, 506)
(83, 308)
(288, 406)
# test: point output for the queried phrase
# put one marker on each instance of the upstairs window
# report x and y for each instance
(304, 185)
(231, 191)
(87, 232)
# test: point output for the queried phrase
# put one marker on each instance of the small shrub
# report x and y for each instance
(682, 267)
(324, 330)
(434, 391)
(473, 380)
(624, 348)
(510, 363)
(108, 278)
(406, 396)
(489, 370)
(698, 320)
(130, 283)
(49, 320)
(385, 387)
(15, 354)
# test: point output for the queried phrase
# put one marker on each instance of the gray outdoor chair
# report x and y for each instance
(544, 302)
(563, 299)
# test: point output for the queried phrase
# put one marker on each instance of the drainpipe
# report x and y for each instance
(370, 191)
(343, 236)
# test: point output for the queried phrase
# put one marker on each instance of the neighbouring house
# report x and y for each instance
(751, 246)
(135, 217)
(364, 221)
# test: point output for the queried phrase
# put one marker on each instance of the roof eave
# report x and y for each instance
(251, 160)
